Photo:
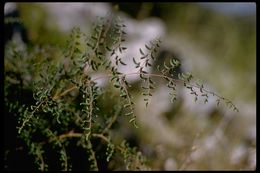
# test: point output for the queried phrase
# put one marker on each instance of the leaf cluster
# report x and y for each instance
(67, 101)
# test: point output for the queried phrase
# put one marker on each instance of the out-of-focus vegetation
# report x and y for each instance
(41, 28)
(230, 42)
(219, 49)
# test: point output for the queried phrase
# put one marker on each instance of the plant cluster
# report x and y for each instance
(68, 107)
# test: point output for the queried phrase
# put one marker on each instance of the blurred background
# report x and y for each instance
(216, 42)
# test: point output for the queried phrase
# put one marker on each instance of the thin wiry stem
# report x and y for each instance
(161, 76)
(90, 109)
(65, 159)
(72, 134)
(64, 93)
(42, 162)
(114, 118)
(28, 118)
(93, 156)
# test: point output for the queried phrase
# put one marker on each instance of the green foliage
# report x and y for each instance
(68, 102)
(37, 21)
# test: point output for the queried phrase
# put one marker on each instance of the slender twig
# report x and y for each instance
(93, 156)
(126, 91)
(42, 162)
(64, 93)
(129, 100)
(163, 76)
(65, 159)
(28, 118)
(90, 109)
(101, 136)
(114, 118)
(155, 75)
(72, 134)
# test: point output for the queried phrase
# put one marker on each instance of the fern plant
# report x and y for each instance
(69, 107)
